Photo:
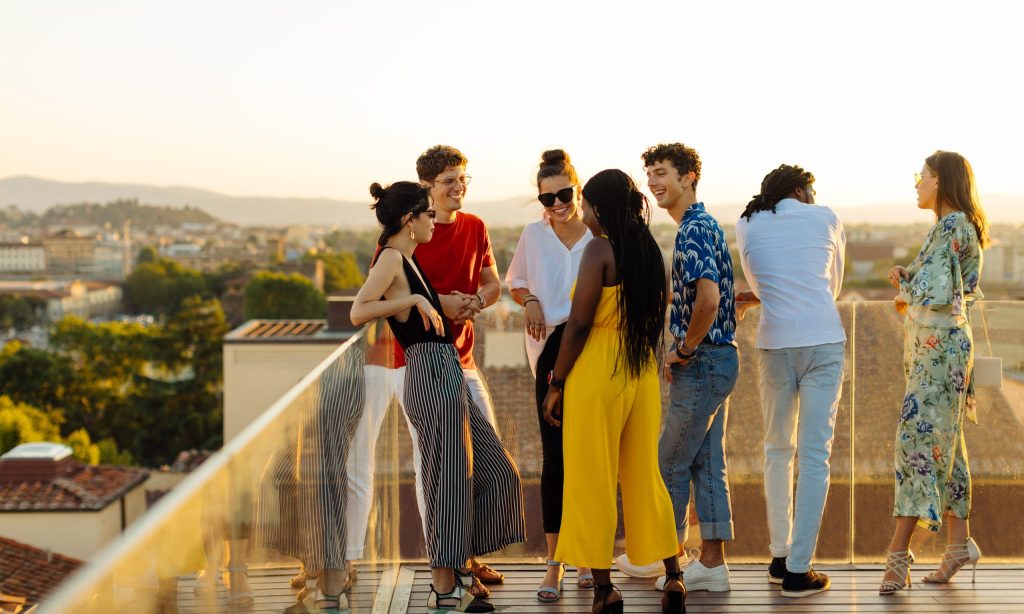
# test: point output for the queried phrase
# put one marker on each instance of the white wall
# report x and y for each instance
(76, 534)
(257, 374)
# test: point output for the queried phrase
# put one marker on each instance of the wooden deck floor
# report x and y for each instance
(404, 590)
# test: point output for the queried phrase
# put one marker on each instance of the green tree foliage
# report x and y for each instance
(116, 212)
(21, 312)
(147, 254)
(361, 243)
(159, 287)
(341, 270)
(276, 295)
(39, 378)
(21, 423)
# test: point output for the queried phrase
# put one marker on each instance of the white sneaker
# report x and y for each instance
(697, 577)
(639, 571)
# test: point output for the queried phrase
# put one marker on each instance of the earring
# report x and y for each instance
(412, 233)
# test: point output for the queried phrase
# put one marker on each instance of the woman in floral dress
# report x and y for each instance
(936, 292)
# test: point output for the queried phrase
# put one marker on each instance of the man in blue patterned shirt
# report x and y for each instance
(701, 365)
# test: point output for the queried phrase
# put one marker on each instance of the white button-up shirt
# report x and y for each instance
(793, 261)
(547, 268)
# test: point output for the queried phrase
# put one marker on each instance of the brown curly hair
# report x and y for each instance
(437, 159)
(684, 158)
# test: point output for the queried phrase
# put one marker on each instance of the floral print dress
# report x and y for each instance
(932, 471)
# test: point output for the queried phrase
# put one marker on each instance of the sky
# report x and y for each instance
(320, 98)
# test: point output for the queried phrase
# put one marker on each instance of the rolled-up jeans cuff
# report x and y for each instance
(716, 530)
(779, 552)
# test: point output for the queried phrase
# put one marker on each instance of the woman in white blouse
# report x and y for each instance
(540, 278)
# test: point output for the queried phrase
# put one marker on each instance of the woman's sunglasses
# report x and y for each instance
(565, 195)
(431, 213)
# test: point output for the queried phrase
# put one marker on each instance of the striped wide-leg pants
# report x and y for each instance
(302, 508)
(472, 492)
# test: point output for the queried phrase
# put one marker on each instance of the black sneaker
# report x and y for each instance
(777, 570)
(804, 584)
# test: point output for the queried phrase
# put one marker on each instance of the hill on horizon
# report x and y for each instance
(37, 195)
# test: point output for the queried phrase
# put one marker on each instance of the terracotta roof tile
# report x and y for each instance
(29, 572)
(89, 488)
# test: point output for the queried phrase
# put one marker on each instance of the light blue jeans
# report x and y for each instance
(692, 443)
(800, 389)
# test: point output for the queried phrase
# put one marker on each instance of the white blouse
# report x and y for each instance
(544, 266)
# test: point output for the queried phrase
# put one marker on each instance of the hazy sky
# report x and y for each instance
(320, 98)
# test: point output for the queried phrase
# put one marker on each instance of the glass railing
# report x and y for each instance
(325, 475)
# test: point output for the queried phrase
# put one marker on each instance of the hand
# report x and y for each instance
(553, 406)
(897, 273)
(471, 308)
(744, 302)
(455, 306)
(429, 315)
(901, 306)
(536, 327)
(671, 358)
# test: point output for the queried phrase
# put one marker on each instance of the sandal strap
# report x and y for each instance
(555, 563)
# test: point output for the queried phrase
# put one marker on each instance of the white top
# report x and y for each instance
(544, 266)
(793, 261)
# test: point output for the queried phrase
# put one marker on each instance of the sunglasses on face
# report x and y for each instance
(565, 195)
(431, 213)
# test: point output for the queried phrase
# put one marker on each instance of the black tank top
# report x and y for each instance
(411, 331)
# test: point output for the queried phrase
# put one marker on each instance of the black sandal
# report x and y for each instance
(460, 600)
(674, 602)
(601, 603)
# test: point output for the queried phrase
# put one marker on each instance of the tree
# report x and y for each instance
(147, 254)
(21, 312)
(21, 423)
(276, 295)
(341, 270)
(159, 287)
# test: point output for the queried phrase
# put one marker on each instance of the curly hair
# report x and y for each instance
(777, 185)
(437, 159)
(685, 159)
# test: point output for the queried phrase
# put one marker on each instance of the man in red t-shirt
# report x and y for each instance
(459, 264)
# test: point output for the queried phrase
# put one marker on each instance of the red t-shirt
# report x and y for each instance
(452, 261)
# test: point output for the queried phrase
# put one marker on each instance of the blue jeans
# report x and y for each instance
(800, 389)
(692, 444)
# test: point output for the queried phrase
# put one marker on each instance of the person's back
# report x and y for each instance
(793, 260)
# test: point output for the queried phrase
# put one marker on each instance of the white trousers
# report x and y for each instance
(800, 390)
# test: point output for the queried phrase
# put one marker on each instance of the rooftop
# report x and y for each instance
(29, 572)
(47, 484)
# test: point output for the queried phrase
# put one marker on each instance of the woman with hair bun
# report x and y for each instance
(607, 365)
(472, 491)
(540, 279)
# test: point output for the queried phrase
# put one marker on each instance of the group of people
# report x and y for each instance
(596, 294)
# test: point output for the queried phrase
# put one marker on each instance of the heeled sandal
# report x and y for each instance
(674, 602)
(955, 557)
(553, 590)
(584, 580)
(484, 573)
(237, 599)
(459, 600)
(472, 584)
(601, 603)
(898, 562)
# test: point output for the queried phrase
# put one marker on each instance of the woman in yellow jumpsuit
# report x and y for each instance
(612, 412)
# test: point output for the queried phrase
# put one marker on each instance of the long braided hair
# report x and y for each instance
(777, 185)
(624, 214)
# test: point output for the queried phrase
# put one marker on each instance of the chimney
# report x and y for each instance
(338, 310)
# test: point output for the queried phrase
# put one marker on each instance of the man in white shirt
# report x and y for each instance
(792, 252)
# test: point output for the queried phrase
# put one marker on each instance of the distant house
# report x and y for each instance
(88, 299)
(27, 574)
(50, 500)
(22, 258)
(862, 257)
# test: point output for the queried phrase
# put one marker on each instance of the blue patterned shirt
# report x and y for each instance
(702, 253)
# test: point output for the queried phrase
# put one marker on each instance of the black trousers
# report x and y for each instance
(552, 471)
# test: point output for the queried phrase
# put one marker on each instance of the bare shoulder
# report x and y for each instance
(599, 247)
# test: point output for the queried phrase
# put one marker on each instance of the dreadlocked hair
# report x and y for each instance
(777, 185)
(624, 214)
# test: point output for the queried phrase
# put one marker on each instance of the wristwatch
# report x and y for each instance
(480, 298)
(555, 383)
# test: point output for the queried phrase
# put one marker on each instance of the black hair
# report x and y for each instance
(685, 159)
(555, 162)
(394, 202)
(777, 185)
(624, 214)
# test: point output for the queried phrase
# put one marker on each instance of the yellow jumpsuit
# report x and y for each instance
(610, 428)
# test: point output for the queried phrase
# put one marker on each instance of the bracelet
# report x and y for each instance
(687, 355)
(528, 300)
(554, 382)
(481, 299)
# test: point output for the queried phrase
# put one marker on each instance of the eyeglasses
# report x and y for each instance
(451, 181)
(565, 195)
(917, 179)
(431, 213)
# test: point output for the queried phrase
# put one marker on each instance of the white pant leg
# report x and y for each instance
(382, 384)
(478, 390)
(779, 400)
(820, 388)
